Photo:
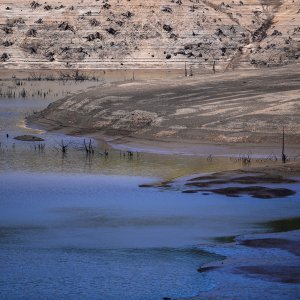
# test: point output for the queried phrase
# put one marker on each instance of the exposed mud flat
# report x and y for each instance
(232, 108)
(258, 183)
(270, 262)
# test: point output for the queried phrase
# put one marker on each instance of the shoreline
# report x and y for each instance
(193, 148)
(245, 265)
(242, 269)
(236, 108)
(82, 74)
(250, 261)
(170, 126)
(168, 145)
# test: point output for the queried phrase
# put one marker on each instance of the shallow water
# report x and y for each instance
(100, 236)
(92, 237)
(75, 273)
(19, 155)
(79, 227)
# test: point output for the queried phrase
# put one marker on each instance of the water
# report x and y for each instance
(80, 227)
(102, 237)
(94, 237)
(100, 274)
(18, 155)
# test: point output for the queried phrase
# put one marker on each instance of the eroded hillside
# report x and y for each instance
(210, 35)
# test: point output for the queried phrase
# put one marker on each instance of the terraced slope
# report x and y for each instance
(209, 35)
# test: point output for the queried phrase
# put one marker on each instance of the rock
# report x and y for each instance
(111, 31)
(167, 28)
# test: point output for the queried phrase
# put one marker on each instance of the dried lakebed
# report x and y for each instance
(235, 108)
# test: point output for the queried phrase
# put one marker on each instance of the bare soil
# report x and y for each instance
(232, 108)
(202, 35)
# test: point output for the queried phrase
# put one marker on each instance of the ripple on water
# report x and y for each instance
(91, 273)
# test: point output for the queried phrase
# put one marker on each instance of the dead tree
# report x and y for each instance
(283, 155)
(88, 148)
(64, 147)
(105, 153)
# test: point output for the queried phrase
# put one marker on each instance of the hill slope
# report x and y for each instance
(149, 34)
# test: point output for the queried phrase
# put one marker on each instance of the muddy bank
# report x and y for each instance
(269, 262)
(264, 182)
(231, 108)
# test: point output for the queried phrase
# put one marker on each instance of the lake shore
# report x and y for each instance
(269, 262)
(150, 150)
(234, 109)
(250, 121)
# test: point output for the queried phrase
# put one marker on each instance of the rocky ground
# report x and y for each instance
(230, 108)
(203, 35)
